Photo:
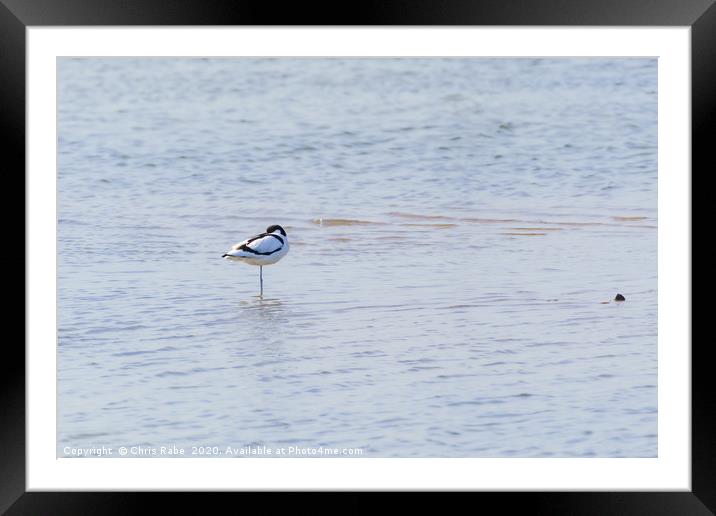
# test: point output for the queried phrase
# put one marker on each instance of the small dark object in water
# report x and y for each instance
(619, 298)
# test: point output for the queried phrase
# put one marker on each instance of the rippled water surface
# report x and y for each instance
(458, 229)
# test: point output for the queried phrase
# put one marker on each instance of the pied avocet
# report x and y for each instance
(264, 249)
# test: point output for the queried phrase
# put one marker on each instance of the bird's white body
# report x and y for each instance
(263, 249)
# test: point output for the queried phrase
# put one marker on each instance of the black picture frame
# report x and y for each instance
(17, 15)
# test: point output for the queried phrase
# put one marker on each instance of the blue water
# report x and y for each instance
(458, 229)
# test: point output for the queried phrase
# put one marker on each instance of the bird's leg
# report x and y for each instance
(261, 278)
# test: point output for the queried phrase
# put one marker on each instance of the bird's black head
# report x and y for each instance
(275, 227)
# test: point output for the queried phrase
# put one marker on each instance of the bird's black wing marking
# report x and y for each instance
(247, 248)
(257, 237)
(262, 235)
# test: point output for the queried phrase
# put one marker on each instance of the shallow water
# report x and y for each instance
(458, 228)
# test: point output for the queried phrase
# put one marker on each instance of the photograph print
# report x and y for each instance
(356, 257)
